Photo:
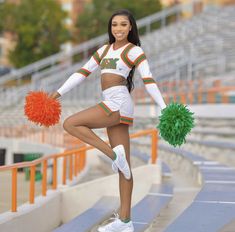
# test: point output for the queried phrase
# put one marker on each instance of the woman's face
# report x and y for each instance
(120, 27)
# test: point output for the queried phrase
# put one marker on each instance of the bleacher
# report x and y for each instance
(203, 44)
(214, 205)
(201, 47)
(143, 213)
(198, 48)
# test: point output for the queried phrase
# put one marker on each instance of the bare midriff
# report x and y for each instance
(109, 80)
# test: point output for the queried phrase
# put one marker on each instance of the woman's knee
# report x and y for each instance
(68, 125)
(65, 125)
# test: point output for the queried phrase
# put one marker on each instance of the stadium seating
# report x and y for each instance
(95, 215)
(214, 205)
(198, 48)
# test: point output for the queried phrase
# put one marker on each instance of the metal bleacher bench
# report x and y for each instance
(145, 211)
(91, 217)
(214, 205)
(217, 144)
(166, 172)
(159, 196)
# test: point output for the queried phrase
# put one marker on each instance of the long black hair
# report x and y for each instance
(133, 37)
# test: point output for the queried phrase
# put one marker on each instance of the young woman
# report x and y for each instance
(117, 60)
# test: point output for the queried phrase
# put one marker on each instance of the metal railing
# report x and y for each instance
(76, 159)
(191, 92)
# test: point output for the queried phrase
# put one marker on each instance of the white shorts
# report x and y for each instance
(118, 98)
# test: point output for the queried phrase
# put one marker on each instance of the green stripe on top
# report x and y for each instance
(140, 59)
(105, 52)
(105, 108)
(125, 57)
(84, 72)
(126, 120)
(96, 57)
(148, 80)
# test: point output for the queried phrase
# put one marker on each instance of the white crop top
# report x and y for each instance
(118, 61)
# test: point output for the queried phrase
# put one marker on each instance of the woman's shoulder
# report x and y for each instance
(102, 48)
(135, 51)
(136, 48)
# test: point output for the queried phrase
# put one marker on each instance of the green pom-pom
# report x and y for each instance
(175, 123)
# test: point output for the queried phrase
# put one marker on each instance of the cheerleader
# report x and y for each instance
(117, 60)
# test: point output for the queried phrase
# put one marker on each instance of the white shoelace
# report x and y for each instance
(114, 217)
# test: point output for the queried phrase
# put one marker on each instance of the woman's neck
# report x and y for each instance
(118, 44)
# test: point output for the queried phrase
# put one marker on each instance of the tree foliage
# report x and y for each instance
(38, 28)
(94, 20)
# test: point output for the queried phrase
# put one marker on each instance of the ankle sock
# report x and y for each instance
(126, 220)
(115, 156)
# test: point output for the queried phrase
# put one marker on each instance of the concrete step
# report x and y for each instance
(186, 188)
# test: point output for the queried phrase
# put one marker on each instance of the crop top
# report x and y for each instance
(118, 61)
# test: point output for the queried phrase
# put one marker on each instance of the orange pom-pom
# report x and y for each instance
(42, 109)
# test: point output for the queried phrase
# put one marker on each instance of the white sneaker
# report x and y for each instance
(121, 161)
(117, 226)
(110, 220)
(114, 167)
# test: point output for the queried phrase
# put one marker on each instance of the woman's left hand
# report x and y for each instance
(54, 95)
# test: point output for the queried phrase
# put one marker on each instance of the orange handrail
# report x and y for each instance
(32, 184)
(54, 178)
(44, 178)
(14, 190)
(77, 161)
(153, 133)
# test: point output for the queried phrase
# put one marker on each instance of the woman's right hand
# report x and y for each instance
(54, 95)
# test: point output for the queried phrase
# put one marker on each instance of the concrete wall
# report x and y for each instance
(200, 110)
(43, 216)
(214, 110)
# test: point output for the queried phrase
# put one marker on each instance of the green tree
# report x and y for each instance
(1, 21)
(39, 29)
(94, 20)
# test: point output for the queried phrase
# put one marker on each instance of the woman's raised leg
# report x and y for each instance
(81, 123)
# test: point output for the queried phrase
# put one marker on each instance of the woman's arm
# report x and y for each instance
(137, 56)
(79, 76)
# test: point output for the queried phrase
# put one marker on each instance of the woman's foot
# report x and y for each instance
(117, 226)
(121, 162)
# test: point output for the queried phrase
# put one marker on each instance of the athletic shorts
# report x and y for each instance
(118, 98)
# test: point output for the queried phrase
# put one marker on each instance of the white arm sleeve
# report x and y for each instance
(82, 73)
(155, 93)
(137, 56)
(71, 82)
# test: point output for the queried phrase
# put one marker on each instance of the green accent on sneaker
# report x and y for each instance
(126, 220)
(115, 156)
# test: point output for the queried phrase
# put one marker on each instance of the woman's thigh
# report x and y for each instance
(93, 117)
